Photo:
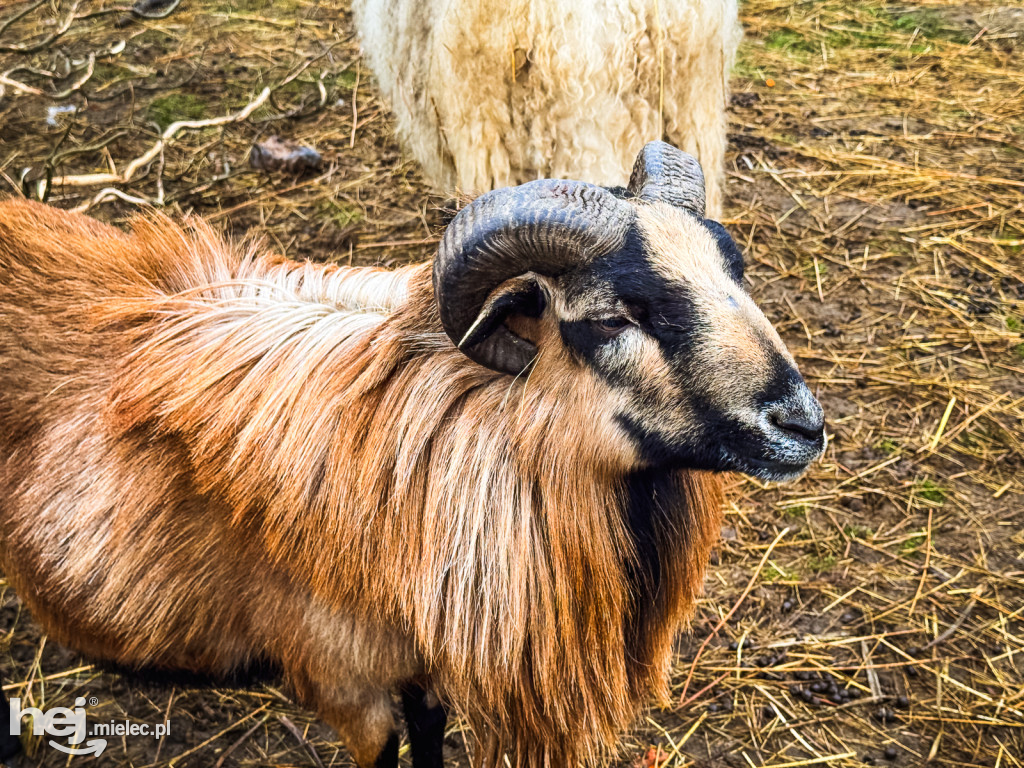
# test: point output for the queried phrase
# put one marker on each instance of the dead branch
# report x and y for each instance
(92, 179)
(155, 151)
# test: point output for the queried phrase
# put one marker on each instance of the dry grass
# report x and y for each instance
(877, 183)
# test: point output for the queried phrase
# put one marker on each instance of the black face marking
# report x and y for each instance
(783, 378)
(656, 451)
(662, 309)
(627, 271)
(582, 340)
(728, 248)
(699, 449)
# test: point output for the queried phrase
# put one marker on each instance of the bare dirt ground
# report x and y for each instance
(871, 613)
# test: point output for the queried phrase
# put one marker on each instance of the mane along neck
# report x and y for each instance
(401, 481)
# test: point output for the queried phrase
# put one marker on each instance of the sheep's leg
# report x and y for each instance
(10, 745)
(695, 115)
(701, 131)
(426, 718)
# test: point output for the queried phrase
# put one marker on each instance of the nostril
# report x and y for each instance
(799, 422)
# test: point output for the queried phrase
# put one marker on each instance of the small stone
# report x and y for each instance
(902, 702)
(795, 689)
(713, 707)
(806, 695)
(818, 687)
(891, 752)
(277, 154)
(767, 712)
(787, 606)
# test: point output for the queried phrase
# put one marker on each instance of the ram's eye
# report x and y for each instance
(611, 326)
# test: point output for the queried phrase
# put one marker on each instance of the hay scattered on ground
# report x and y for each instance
(873, 611)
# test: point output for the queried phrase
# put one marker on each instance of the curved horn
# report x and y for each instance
(662, 172)
(547, 227)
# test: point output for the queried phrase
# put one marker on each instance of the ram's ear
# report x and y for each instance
(727, 246)
(519, 296)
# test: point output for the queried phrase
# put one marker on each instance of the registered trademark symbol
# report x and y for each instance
(93, 701)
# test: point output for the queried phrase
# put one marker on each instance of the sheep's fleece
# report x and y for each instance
(490, 93)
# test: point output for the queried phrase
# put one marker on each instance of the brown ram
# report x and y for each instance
(214, 458)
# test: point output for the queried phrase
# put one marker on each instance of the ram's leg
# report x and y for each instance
(345, 669)
(426, 718)
(10, 745)
(366, 725)
(361, 716)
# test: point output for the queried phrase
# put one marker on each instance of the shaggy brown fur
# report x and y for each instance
(210, 457)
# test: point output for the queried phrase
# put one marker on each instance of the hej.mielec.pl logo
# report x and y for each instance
(70, 725)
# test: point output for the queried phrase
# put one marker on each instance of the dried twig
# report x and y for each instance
(302, 739)
(26, 48)
(130, 170)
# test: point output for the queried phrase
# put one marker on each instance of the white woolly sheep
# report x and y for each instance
(489, 93)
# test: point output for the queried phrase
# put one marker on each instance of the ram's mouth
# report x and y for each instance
(771, 454)
(768, 469)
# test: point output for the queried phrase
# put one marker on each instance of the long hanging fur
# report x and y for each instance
(212, 456)
(489, 93)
